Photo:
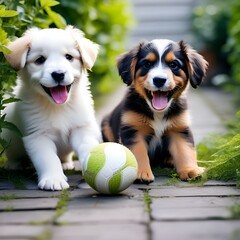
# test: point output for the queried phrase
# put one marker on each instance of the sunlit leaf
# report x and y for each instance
(48, 3)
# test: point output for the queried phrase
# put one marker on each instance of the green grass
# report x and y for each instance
(220, 154)
(63, 201)
(235, 211)
(147, 201)
(8, 209)
(45, 235)
(8, 197)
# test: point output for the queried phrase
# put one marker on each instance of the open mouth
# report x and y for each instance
(160, 99)
(59, 94)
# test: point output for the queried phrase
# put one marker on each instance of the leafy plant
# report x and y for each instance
(221, 154)
(15, 18)
(5, 124)
(221, 37)
(233, 48)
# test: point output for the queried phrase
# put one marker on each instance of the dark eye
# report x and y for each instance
(69, 57)
(174, 65)
(40, 60)
(147, 64)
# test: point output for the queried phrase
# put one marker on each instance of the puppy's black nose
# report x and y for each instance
(159, 82)
(58, 76)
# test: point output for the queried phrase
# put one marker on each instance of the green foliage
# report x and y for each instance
(106, 22)
(15, 18)
(221, 154)
(216, 27)
(233, 47)
(215, 15)
(5, 124)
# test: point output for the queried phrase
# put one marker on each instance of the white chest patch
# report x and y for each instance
(159, 124)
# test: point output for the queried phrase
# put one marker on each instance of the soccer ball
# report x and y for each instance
(110, 168)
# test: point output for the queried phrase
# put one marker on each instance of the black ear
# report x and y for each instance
(196, 64)
(126, 64)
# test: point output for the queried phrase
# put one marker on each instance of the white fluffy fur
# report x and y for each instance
(51, 132)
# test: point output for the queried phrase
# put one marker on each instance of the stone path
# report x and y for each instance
(156, 211)
(166, 209)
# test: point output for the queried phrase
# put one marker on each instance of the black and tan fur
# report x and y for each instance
(157, 131)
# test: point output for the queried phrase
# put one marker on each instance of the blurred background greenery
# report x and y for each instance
(216, 30)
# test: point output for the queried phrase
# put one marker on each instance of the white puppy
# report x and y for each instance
(55, 114)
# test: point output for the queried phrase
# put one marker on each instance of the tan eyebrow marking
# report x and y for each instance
(151, 57)
(169, 57)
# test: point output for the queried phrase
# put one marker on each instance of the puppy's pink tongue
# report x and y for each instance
(159, 100)
(59, 94)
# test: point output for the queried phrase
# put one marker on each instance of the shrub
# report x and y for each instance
(216, 27)
(14, 20)
(233, 47)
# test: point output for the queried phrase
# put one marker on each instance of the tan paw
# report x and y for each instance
(190, 173)
(68, 165)
(145, 176)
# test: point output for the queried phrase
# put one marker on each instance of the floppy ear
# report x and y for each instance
(196, 64)
(87, 48)
(126, 64)
(17, 58)
(20, 47)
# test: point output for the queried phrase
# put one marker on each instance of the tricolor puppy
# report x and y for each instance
(152, 119)
(55, 113)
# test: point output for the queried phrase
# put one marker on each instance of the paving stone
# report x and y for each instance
(172, 191)
(219, 183)
(23, 204)
(192, 208)
(196, 230)
(100, 231)
(193, 214)
(81, 200)
(95, 215)
(29, 193)
(193, 202)
(20, 231)
(85, 190)
(6, 185)
(26, 217)
(166, 180)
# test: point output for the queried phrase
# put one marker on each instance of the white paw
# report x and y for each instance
(53, 183)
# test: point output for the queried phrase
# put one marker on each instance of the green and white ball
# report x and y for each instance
(110, 168)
